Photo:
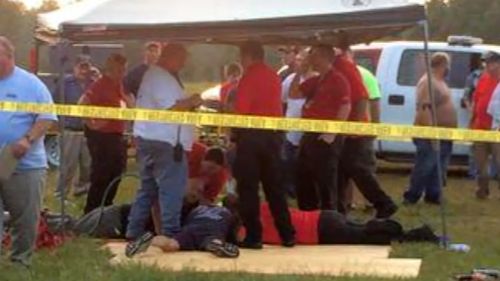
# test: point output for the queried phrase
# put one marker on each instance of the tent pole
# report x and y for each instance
(62, 57)
(36, 62)
(437, 146)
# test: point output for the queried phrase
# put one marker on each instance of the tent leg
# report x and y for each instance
(62, 57)
(437, 148)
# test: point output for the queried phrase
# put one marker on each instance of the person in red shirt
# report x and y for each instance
(258, 158)
(481, 120)
(328, 97)
(105, 139)
(328, 227)
(357, 161)
(208, 173)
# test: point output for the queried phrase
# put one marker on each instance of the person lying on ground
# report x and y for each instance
(206, 229)
(329, 227)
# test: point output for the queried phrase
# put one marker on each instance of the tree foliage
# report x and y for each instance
(479, 18)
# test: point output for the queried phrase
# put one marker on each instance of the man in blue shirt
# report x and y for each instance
(133, 80)
(22, 135)
(74, 144)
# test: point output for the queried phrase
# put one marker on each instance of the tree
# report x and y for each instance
(48, 5)
(478, 18)
(16, 23)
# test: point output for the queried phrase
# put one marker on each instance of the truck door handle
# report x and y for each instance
(396, 100)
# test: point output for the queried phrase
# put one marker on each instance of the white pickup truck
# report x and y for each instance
(398, 67)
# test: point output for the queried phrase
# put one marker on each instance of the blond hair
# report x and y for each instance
(439, 59)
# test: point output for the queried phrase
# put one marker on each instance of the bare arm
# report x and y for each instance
(423, 107)
(94, 124)
(344, 112)
(187, 104)
(359, 109)
(129, 100)
(22, 146)
(39, 129)
(84, 100)
(375, 110)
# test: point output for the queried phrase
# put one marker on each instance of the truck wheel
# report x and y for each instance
(53, 151)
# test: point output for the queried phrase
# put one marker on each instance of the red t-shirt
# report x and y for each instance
(351, 73)
(107, 92)
(325, 96)
(305, 223)
(213, 184)
(259, 92)
(482, 97)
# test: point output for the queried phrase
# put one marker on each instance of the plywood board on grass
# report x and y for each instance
(305, 260)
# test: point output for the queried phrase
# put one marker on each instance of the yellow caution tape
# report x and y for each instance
(381, 131)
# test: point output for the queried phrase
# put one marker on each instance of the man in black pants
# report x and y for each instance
(327, 98)
(359, 164)
(258, 151)
(105, 138)
(357, 161)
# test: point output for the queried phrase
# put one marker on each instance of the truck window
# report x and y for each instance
(412, 68)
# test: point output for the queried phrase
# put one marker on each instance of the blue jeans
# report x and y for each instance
(424, 177)
(162, 179)
(290, 158)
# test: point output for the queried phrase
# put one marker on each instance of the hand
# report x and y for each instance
(129, 100)
(20, 148)
(195, 100)
(328, 138)
(96, 124)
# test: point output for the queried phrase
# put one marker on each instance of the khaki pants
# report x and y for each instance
(21, 196)
(482, 153)
(75, 157)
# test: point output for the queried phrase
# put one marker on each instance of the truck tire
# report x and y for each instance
(52, 148)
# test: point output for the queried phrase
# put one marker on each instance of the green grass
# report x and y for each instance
(470, 221)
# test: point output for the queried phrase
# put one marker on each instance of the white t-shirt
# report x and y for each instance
(160, 90)
(494, 108)
(293, 109)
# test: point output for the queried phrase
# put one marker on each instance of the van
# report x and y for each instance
(399, 66)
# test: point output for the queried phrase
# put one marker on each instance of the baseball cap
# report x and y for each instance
(491, 57)
(83, 59)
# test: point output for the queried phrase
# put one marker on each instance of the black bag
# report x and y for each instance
(104, 222)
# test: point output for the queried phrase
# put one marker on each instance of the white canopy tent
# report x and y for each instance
(229, 21)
